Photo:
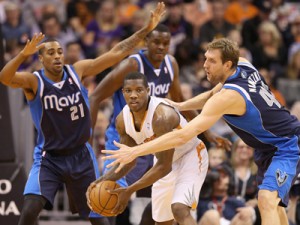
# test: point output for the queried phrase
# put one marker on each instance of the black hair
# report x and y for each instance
(160, 28)
(136, 76)
(46, 40)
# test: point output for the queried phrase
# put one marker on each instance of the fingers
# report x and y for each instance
(121, 165)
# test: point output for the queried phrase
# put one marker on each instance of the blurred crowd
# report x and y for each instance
(267, 31)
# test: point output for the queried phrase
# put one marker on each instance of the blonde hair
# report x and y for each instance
(270, 27)
(252, 165)
(293, 67)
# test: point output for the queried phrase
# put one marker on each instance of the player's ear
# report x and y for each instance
(41, 59)
(148, 90)
(228, 65)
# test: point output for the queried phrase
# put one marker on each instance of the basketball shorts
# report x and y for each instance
(278, 172)
(76, 170)
(181, 185)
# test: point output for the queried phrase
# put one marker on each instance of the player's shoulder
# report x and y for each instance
(165, 114)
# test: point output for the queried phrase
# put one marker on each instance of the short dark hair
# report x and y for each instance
(160, 28)
(136, 76)
(46, 40)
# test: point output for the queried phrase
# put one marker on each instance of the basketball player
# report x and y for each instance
(60, 111)
(178, 174)
(162, 72)
(250, 109)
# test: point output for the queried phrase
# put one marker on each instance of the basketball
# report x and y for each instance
(101, 201)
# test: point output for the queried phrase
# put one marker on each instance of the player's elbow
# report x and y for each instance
(94, 100)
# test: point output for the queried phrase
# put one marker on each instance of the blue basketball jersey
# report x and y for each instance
(266, 125)
(60, 112)
(159, 81)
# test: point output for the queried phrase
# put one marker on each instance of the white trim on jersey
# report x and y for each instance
(42, 83)
(169, 65)
(240, 88)
(139, 59)
(248, 64)
(74, 76)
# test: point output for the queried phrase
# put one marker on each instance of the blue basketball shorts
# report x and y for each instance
(76, 170)
(278, 172)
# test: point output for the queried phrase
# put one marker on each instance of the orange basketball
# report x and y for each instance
(101, 201)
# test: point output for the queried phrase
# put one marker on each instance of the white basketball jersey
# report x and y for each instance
(146, 132)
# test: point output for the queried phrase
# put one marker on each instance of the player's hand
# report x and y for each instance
(123, 198)
(174, 104)
(246, 213)
(32, 46)
(87, 194)
(122, 156)
(156, 15)
(218, 140)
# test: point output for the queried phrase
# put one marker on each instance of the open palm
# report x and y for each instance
(156, 15)
(32, 46)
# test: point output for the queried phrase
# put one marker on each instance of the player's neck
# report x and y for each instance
(155, 64)
(229, 74)
(52, 76)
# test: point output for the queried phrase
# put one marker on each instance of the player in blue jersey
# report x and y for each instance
(247, 105)
(162, 72)
(60, 111)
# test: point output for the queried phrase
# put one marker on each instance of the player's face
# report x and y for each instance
(214, 66)
(136, 95)
(158, 45)
(52, 58)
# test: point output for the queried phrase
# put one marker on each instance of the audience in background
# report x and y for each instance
(267, 31)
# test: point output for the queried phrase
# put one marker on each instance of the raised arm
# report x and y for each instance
(9, 75)
(122, 49)
(109, 85)
(224, 102)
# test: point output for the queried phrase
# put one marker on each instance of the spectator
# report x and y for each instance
(180, 29)
(125, 11)
(102, 32)
(269, 51)
(220, 206)
(73, 52)
(52, 28)
(236, 36)
(197, 13)
(295, 36)
(216, 157)
(269, 78)
(14, 30)
(250, 26)
(239, 11)
(217, 26)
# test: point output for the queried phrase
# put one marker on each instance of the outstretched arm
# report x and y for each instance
(121, 50)
(197, 102)
(225, 102)
(9, 75)
(193, 104)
